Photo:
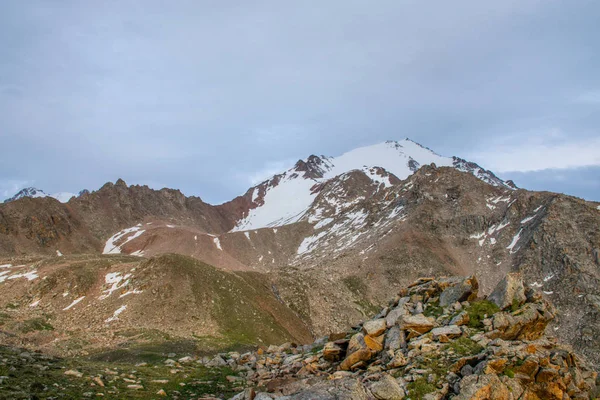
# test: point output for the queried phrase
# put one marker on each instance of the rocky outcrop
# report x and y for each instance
(421, 354)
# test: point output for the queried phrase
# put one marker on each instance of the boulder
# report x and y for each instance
(465, 290)
(395, 339)
(461, 319)
(332, 352)
(450, 331)
(508, 291)
(357, 342)
(375, 327)
(398, 312)
(387, 389)
(355, 358)
(528, 324)
(483, 387)
(417, 323)
(375, 344)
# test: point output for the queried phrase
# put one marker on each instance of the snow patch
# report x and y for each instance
(134, 291)
(323, 222)
(111, 248)
(308, 243)
(116, 282)
(31, 275)
(526, 220)
(515, 241)
(116, 314)
(58, 253)
(73, 303)
(217, 243)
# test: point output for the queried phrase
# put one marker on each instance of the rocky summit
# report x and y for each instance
(437, 339)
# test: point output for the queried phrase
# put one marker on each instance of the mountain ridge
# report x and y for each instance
(364, 232)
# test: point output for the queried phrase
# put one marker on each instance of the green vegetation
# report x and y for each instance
(514, 306)
(419, 388)
(26, 380)
(355, 284)
(433, 309)
(509, 372)
(4, 317)
(35, 324)
(242, 304)
(366, 307)
(479, 310)
(464, 347)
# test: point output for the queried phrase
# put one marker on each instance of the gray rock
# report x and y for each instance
(464, 290)
(450, 331)
(509, 290)
(397, 313)
(387, 389)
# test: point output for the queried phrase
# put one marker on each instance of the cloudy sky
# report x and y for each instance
(210, 97)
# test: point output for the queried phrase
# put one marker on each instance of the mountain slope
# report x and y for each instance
(93, 303)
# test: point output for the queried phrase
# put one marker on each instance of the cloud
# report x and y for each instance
(592, 98)
(268, 170)
(9, 188)
(540, 152)
(191, 94)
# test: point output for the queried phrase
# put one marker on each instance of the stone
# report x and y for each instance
(461, 319)
(74, 372)
(450, 332)
(135, 387)
(357, 342)
(483, 387)
(375, 327)
(98, 381)
(356, 357)
(397, 313)
(465, 290)
(161, 392)
(395, 338)
(387, 389)
(375, 344)
(398, 360)
(417, 323)
(529, 324)
(332, 352)
(508, 291)
(217, 361)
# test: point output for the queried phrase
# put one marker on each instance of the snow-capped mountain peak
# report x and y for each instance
(63, 197)
(286, 197)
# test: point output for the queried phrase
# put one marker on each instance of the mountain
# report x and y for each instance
(32, 192)
(286, 197)
(331, 237)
